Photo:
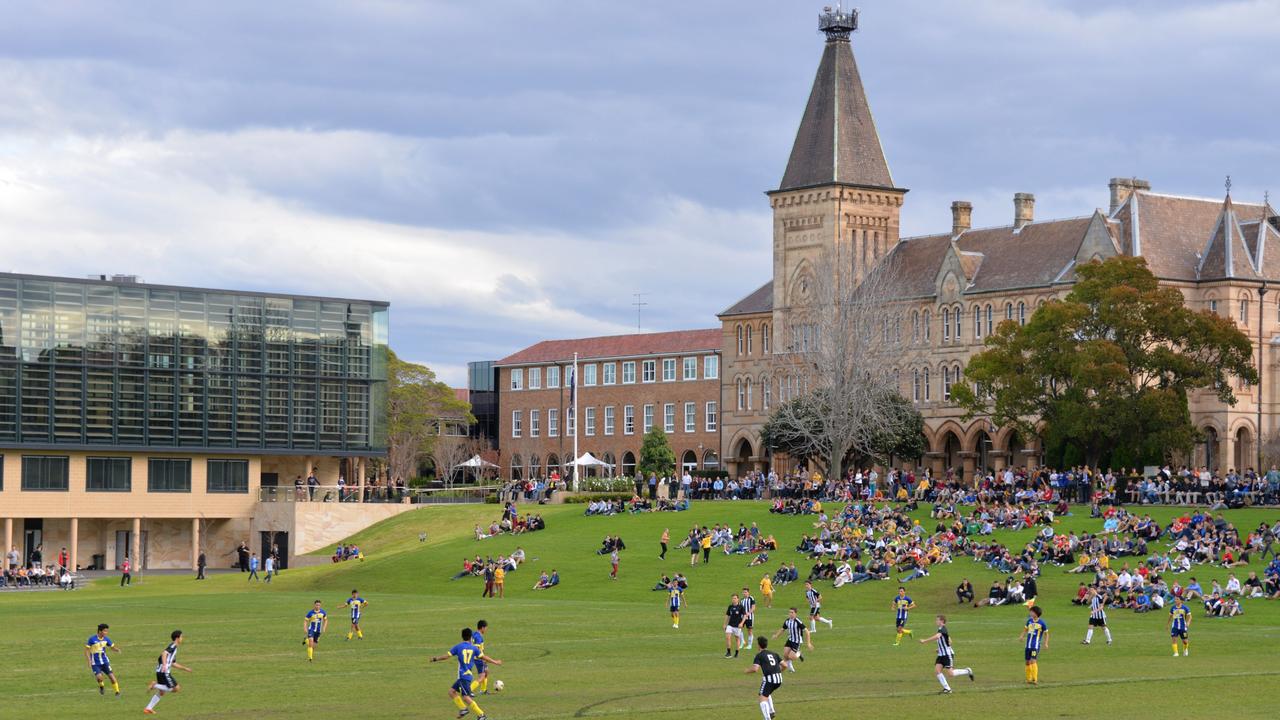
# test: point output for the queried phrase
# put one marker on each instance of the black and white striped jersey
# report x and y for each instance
(770, 666)
(944, 643)
(795, 630)
(814, 598)
(1096, 610)
(164, 663)
(748, 606)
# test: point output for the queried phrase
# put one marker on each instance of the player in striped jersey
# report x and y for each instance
(797, 633)
(749, 606)
(1097, 617)
(1036, 633)
(676, 600)
(769, 665)
(95, 652)
(165, 664)
(357, 605)
(942, 665)
(815, 607)
(1179, 623)
(902, 603)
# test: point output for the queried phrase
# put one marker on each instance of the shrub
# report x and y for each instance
(593, 497)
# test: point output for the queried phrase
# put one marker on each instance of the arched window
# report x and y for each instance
(959, 316)
(1244, 311)
(977, 323)
(750, 337)
(766, 339)
(749, 399)
(915, 385)
(1008, 311)
(925, 379)
(1022, 313)
(897, 329)
(766, 392)
(990, 323)
(740, 340)
(946, 383)
(915, 326)
(742, 394)
(928, 326)
(946, 324)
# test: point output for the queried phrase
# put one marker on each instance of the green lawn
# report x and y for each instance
(598, 648)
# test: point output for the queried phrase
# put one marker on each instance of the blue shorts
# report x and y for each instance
(314, 635)
(355, 619)
(479, 666)
(1180, 634)
(900, 622)
(1032, 654)
(101, 668)
(463, 686)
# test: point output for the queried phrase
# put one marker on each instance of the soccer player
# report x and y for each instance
(1179, 622)
(1097, 617)
(316, 622)
(1036, 633)
(357, 604)
(676, 600)
(734, 616)
(465, 653)
(815, 607)
(749, 607)
(95, 651)
(901, 604)
(480, 670)
(797, 633)
(946, 656)
(769, 665)
(165, 664)
(766, 589)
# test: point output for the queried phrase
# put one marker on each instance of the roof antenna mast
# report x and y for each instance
(639, 303)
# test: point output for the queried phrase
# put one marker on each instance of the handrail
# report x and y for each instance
(375, 494)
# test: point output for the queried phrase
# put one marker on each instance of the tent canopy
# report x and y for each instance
(477, 462)
(589, 460)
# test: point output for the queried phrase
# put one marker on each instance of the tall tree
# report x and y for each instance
(452, 450)
(1109, 367)
(797, 431)
(840, 356)
(418, 406)
(656, 455)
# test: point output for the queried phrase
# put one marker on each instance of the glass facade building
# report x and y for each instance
(90, 364)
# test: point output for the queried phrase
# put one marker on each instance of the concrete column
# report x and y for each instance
(360, 472)
(75, 543)
(1228, 459)
(970, 463)
(135, 551)
(8, 537)
(195, 542)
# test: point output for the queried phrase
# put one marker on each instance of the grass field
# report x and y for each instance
(596, 648)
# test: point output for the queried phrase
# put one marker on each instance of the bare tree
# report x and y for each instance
(450, 451)
(839, 383)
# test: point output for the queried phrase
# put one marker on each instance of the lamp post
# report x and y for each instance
(1262, 317)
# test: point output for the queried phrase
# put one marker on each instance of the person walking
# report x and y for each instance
(125, 577)
(270, 566)
(201, 562)
(253, 568)
(666, 538)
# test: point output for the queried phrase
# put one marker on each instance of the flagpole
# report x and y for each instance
(573, 394)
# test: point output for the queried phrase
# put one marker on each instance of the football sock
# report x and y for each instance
(1175, 648)
(154, 700)
(898, 639)
(115, 685)
(474, 707)
(475, 685)
(360, 634)
(764, 709)
(101, 684)
(961, 671)
(770, 703)
(1035, 672)
(311, 652)
(457, 700)
(828, 622)
(943, 679)
(813, 625)
(349, 635)
(1027, 672)
(906, 631)
(484, 685)
(1088, 635)
(1107, 630)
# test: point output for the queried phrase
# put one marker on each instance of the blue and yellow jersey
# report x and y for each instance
(1180, 615)
(1035, 633)
(466, 654)
(98, 649)
(357, 606)
(315, 620)
(900, 606)
(477, 639)
(676, 597)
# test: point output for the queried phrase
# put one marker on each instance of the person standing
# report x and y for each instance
(63, 558)
(733, 619)
(125, 577)
(749, 610)
(695, 542)
(1036, 634)
(95, 651)
(766, 589)
(488, 580)
(242, 556)
(675, 599)
(1179, 624)
(201, 562)
(1097, 617)
(706, 546)
(499, 578)
(357, 605)
(315, 622)
(312, 484)
(165, 664)
(269, 565)
(613, 562)
(769, 665)
(902, 604)
(253, 568)
(14, 556)
(666, 538)
(946, 656)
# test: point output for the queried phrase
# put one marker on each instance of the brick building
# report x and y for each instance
(626, 385)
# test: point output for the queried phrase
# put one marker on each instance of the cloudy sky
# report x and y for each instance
(513, 171)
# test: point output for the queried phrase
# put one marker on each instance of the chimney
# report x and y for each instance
(1122, 188)
(1024, 209)
(961, 216)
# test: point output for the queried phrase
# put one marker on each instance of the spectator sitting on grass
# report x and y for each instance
(760, 559)
(546, 582)
(964, 591)
(663, 583)
(997, 595)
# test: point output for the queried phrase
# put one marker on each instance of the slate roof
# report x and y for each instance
(658, 343)
(760, 301)
(1170, 231)
(837, 140)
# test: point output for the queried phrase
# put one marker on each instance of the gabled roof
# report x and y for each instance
(1172, 232)
(760, 301)
(638, 344)
(837, 140)
(1226, 255)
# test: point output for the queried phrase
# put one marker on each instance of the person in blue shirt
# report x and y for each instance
(480, 671)
(1036, 633)
(1179, 622)
(357, 605)
(466, 653)
(316, 622)
(95, 651)
(901, 604)
(253, 568)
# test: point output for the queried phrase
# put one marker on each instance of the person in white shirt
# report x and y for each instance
(1233, 586)
(270, 567)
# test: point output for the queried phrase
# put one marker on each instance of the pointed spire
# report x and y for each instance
(837, 140)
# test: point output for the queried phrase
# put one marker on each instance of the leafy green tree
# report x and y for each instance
(1108, 368)
(796, 428)
(419, 407)
(656, 455)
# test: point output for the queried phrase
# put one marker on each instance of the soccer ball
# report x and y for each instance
(498, 685)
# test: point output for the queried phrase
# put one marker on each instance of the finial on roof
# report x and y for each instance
(838, 23)
(1228, 186)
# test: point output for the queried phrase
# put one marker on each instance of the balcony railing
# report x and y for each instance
(378, 494)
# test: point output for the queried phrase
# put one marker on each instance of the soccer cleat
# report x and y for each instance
(1084, 642)
(148, 711)
(1175, 653)
(1108, 642)
(102, 690)
(971, 677)
(1186, 653)
(463, 712)
(945, 691)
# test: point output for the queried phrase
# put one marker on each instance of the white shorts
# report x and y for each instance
(733, 631)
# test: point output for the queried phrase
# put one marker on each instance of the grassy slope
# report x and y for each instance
(597, 648)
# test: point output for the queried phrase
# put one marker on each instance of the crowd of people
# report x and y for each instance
(33, 572)
(511, 522)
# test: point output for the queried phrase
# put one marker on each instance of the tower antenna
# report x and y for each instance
(639, 303)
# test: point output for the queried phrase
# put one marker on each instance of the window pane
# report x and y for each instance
(168, 475)
(108, 474)
(44, 473)
(228, 476)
